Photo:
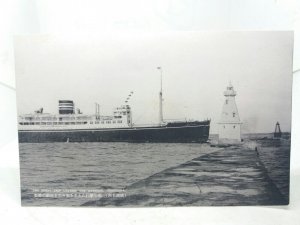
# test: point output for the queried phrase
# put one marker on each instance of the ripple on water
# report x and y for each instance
(96, 165)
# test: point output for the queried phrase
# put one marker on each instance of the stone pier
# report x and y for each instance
(231, 176)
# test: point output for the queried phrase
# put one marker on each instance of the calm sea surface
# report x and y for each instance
(59, 167)
(95, 166)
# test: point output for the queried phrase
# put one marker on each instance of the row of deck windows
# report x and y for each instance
(55, 118)
(107, 122)
(67, 123)
(51, 123)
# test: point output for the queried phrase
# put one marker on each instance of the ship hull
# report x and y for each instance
(161, 134)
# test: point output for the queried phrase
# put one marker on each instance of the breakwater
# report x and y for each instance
(235, 175)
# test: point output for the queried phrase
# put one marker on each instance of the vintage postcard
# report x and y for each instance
(154, 120)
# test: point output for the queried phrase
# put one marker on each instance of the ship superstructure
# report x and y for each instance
(68, 119)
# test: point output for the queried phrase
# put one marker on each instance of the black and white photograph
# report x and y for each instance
(155, 120)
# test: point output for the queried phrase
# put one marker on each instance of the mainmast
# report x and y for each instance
(160, 99)
(97, 109)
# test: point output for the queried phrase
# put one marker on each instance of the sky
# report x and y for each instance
(197, 67)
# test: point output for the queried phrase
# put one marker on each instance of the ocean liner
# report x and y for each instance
(70, 125)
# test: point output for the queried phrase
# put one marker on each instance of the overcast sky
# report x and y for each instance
(197, 67)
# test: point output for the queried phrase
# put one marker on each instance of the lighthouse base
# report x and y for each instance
(225, 141)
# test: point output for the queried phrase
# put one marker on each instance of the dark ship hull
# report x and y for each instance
(175, 132)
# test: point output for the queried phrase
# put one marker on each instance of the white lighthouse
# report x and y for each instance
(229, 124)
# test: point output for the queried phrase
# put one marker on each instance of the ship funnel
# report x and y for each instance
(66, 107)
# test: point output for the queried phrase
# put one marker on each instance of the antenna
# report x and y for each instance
(160, 98)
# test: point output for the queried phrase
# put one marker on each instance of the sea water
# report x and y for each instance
(63, 167)
(94, 166)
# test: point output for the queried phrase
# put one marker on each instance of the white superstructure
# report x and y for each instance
(229, 124)
(68, 119)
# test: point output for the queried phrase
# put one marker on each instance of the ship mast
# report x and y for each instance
(160, 99)
(97, 109)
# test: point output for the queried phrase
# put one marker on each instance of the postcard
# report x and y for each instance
(155, 120)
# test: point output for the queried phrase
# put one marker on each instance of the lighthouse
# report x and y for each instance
(229, 124)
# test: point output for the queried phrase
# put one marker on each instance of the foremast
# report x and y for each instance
(160, 116)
